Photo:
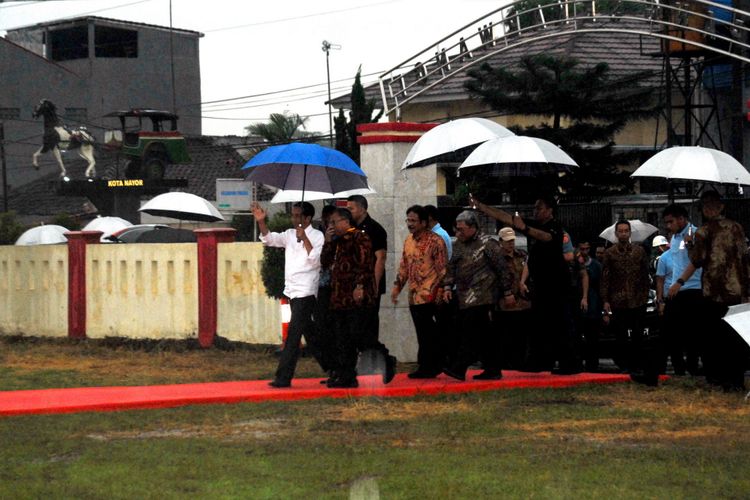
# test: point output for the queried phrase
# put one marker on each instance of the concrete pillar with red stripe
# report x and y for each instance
(208, 241)
(77, 242)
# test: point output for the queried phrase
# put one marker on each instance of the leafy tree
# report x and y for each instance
(10, 228)
(281, 128)
(66, 220)
(580, 110)
(361, 112)
(272, 267)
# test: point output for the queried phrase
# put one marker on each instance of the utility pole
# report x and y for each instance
(327, 46)
(5, 167)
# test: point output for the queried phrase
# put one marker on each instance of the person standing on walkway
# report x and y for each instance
(624, 292)
(423, 265)
(553, 334)
(720, 250)
(357, 205)
(515, 319)
(302, 247)
(684, 301)
(350, 258)
(480, 277)
(589, 318)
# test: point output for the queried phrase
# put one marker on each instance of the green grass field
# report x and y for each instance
(681, 440)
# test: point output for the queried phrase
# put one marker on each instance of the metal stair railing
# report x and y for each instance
(700, 24)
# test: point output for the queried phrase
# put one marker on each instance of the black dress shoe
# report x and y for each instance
(279, 385)
(341, 383)
(390, 369)
(422, 374)
(485, 375)
(455, 374)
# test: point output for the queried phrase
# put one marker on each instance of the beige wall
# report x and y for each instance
(136, 291)
(142, 291)
(636, 133)
(246, 313)
(34, 290)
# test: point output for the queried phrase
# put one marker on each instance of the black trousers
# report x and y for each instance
(683, 320)
(300, 324)
(513, 327)
(430, 355)
(628, 324)
(478, 340)
(589, 328)
(553, 334)
(324, 326)
(351, 338)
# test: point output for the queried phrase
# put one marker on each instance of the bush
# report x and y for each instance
(272, 267)
(245, 227)
(10, 228)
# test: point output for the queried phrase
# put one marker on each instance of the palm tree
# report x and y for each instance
(281, 128)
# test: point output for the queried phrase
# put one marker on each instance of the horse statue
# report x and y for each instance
(59, 138)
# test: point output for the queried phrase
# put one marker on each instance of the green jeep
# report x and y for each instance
(148, 151)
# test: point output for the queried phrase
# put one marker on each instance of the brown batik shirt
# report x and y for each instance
(719, 248)
(423, 265)
(478, 270)
(352, 262)
(625, 276)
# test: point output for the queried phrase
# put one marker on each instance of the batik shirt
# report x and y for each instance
(625, 276)
(478, 271)
(351, 261)
(423, 265)
(720, 250)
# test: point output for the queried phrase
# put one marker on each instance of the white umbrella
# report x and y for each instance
(43, 235)
(694, 163)
(518, 156)
(107, 225)
(639, 231)
(738, 317)
(453, 141)
(294, 195)
(182, 206)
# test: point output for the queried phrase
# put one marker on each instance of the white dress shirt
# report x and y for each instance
(301, 270)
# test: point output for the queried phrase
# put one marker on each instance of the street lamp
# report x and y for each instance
(327, 47)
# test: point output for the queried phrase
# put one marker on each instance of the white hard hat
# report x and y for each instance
(659, 241)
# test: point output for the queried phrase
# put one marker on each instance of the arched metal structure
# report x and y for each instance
(687, 29)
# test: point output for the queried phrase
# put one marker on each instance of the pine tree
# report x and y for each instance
(361, 112)
(581, 111)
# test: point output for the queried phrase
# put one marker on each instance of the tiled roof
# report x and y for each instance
(624, 53)
(211, 161)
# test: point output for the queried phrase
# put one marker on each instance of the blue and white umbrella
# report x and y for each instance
(305, 167)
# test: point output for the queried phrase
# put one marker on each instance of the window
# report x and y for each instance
(115, 42)
(69, 43)
(10, 113)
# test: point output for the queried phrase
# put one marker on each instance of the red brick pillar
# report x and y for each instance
(77, 241)
(208, 241)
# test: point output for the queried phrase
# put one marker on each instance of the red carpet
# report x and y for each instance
(164, 396)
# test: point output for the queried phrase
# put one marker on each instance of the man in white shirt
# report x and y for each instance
(302, 245)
